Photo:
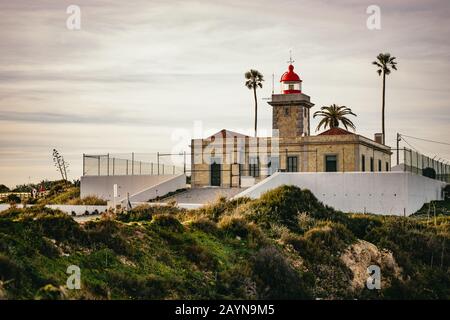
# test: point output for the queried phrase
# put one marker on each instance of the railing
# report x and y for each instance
(418, 163)
(131, 164)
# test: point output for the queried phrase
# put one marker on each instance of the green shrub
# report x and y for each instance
(49, 292)
(277, 279)
(51, 223)
(13, 198)
(400, 234)
(330, 236)
(204, 224)
(145, 212)
(8, 269)
(167, 221)
(60, 194)
(107, 232)
(221, 206)
(236, 225)
(429, 284)
(203, 258)
(362, 224)
(306, 248)
(141, 287)
(87, 201)
(47, 248)
(284, 204)
(447, 192)
(11, 213)
(237, 282)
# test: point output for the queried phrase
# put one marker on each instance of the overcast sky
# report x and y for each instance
(139, 72)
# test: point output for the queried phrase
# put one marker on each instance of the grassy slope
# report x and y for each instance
(59, 192)
(284, 245)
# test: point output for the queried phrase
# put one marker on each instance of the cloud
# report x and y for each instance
(135, 73)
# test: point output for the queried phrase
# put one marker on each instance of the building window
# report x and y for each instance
(379, 165)
(387, 166)
(291, 87)
(331, 163)
(363, 163)
(371, 164)
(273, 165)
(253, 167)
(292, 164)
(286, 111)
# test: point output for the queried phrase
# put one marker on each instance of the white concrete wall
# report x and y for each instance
(102, 186)
(161, 189)
(389, 193)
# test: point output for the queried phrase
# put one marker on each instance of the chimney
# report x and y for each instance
(379, 138)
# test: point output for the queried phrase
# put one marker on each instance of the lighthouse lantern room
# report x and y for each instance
(290, 81)
(290, 117)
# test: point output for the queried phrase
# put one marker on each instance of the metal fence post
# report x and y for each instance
(132, 163)
(84, 166)
(157, 161)
(107, 170)
(417, 162)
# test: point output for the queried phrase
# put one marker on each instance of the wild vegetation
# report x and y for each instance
(285, 245)
(56, 192)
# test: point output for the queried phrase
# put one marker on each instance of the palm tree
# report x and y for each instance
(384, 62)
(332, 115)
(254, 80)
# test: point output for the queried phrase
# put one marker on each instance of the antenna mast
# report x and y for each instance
(290, 57)
(273, 83)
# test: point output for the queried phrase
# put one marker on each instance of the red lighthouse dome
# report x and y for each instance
(290, 81)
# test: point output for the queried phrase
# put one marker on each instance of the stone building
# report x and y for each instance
(231, 159)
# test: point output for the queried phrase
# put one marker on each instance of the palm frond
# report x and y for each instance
(332, 115)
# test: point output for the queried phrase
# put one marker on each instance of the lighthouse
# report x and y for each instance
(291, 107)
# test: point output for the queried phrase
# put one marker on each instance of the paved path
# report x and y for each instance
(204, 195)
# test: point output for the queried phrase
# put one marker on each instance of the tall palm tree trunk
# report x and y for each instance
(382, 108)
(256, 110)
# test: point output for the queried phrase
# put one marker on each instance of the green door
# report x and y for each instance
(215, 169)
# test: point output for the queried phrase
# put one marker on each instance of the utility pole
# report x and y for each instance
(398, 146)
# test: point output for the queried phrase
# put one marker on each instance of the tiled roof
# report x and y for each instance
(335, 132)
(227, 134)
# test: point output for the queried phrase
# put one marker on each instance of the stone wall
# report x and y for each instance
(310, 151)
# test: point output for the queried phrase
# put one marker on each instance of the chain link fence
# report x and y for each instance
(133, 164)
(415, 162)
(170, 163)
